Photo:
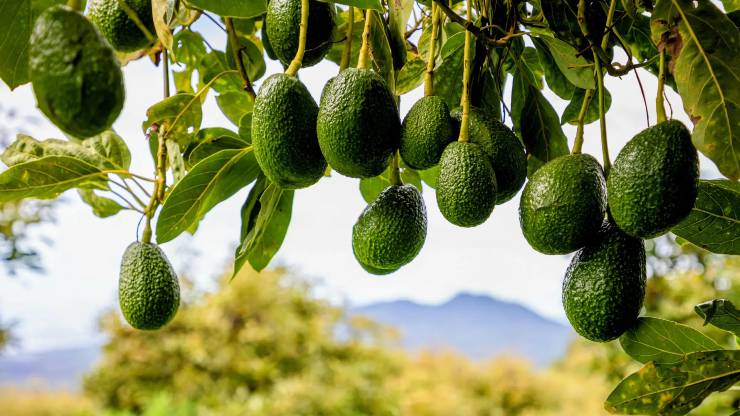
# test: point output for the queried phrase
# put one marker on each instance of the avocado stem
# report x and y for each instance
(236, 51)
(602, 116)
(464, 136)
(659, 102)
(429, 76)
(578, 144)
(295, 65)
(364, 60)
(347, 51)
(395, 178)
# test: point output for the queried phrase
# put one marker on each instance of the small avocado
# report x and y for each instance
(117, 26)
(75, 73)
(426, 131)
(563, 204)
(391, 230)
(506, 152)
(604, 286)
(652, 185)
(283, 23)
(266, 40)
(284, 133)
(358, 124)
(148, 291)
(466, 185)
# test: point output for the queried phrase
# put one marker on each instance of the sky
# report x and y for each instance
(60, 308)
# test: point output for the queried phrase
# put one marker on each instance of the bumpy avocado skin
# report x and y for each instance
(266, 40)
(604, 286)
(148, 291)
(283, 21)
(466, 186)
(426, 130)
(506, 152)
(563, 204)
(391, 230)
(75, 74)
(284, 133)
(358, 124)
(653, 182)
(116, 25)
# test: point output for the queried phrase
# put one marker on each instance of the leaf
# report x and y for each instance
(411, 76)
(214, 145)
(571, 112)
(235, 105)
(102, 207)
(161, 9)
(212, 65)
(48, 177)
(731, 5)
(572, 66)
(189, 47)
(179, 116)
(429, 176)
(362, 4)
(667, 389)
(381, 53)
(637, 38)
(399, 12)
(249, 213)
(557, 82)
(720, 313)
(448, 75)
(664, 342)
(232, 8)
(714, 222)
(210, 182)
(264, 249)
(370, 188)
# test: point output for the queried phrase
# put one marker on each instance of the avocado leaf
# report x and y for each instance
(721, 313)
(663, 341)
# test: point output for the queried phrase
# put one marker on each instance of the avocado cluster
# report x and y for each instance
(282, 26)
(115, 22)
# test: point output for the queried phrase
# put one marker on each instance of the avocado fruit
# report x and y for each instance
(653, 185)
(604, 285)
(118, 27)
(266, 40)
(283, 23)
(148, 291)
(426, 130)
(466, 185)
(358, 124)
(284, 133)
(508, 158)
(391, 230)
(563, 204)
(76, 76)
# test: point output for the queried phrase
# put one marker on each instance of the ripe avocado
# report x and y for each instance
(563, 204)
(284, 133)
(148, 291)
(115, 24)
(358, 124)
(604, 286)
(391, 231)
(653, 183)
(75, 74)
(283, 22)
(425, 132)
(506, 152)
(466, 186)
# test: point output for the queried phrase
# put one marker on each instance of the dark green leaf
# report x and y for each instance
(448, 76)
(429, 176)
(571, 112)
(574, 67)
(232, 8)
(637, 38)
(48, 177)
(720, 313)
(235, 105)
(213, 65)
(102, 207)
(714, 222)
(662, 341)
(179, 116)
(249, 213)
(557, 82)
(208, 146)
(381, 53)
(411, 76)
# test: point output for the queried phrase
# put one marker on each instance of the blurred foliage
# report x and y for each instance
(40, 402)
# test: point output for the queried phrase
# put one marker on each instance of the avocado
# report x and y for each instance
(391, 230)
(652, 185)
(284, 133)
(466, 185)
(563, 204)
(358, 124)
(266, 40)
(604, 286)
(426, 131)
(117, 26)
(283, 23)
(75, 74)
(148, 291)
(506, 152)
(376, 271)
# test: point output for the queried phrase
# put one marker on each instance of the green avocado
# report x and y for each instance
(75, 74)
(266, 41)
(563, 204)
(148, 291)
(284, 133)
(283, 23)
(358, 124)
(652, 185)
(118, 27)
(391, 231)
(507, 154)
(604, 286)
(426, 131)
(466, 185)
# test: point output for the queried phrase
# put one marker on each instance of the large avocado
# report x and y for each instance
(563, 204)
(148, 291)
(466, 185)
(426, 131)
(604, 286)
(284, 133)
(117, 26)
(653, 183)
(358, 124)
(283, 23)
(75, 74)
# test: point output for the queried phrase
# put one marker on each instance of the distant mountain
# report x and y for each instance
(477, 326)
(58, 369)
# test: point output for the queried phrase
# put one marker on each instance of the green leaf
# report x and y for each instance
(720, 313)
(235, 105)
(664, 342)
(731, 5)
(215, 144)
(381, 53)
(667, 389)
(102, 207)
(370, 188)
(448, 74)
(714, 222)
(252, 56)
(557, 82)
(399, 12)
(571, 112)
(212, 65)
(180, 116)
(636, 36)
(48, 177)
(249, 213)
(429, 176)
(189, 47)
(362, 4)
(210, 182)
(232, 8)
(572, 66)
(411, 76)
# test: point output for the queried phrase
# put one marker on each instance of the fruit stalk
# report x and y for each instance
(659, 103)
(347, 51)
(295, 65)
(429, 76)
(465, 100)
(364, 59)
(395, 171)
(237, 52)
(578, 145)
(602, 116)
